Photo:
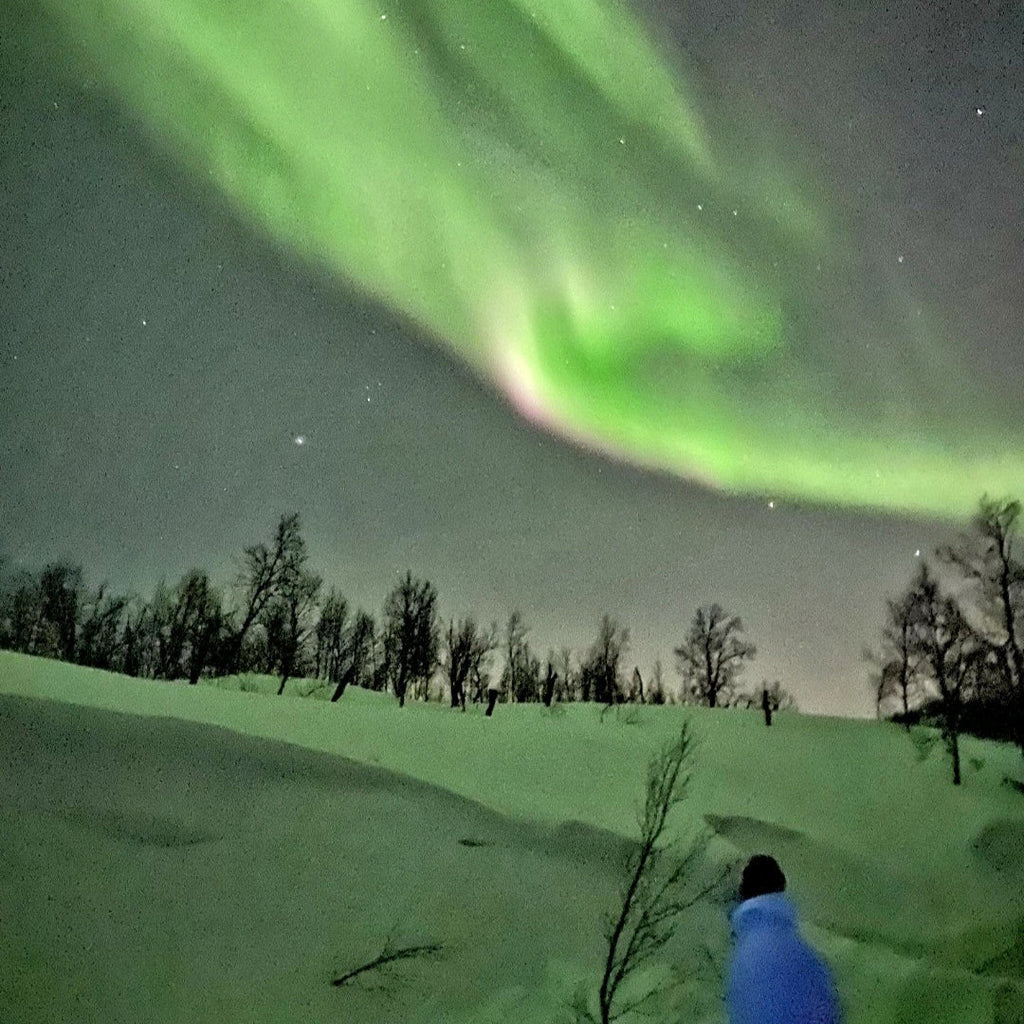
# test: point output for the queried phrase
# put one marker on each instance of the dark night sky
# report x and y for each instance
(159, 356)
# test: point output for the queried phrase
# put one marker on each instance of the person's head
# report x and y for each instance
(761, 875)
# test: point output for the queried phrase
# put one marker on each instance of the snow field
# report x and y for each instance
(167, 871)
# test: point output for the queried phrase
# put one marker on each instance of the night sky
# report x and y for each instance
(495, 291)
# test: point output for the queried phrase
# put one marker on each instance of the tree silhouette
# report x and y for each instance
(99, 637)
(951, 656)
(466, 648)
(986, 558)
(360, 649)
(658, 890)
(351, 649)
(712, 655)
(201, 619)
(898, 674)
(769, 697)
(260, 578)
(20, 613)
(601, 665)
(520, 675)
(288, 619)
(566, 685)
(60, 593)
(410, 640)
(656, 689)
(329, 636)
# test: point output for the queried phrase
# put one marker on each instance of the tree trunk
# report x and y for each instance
(1019, 724)
(285, 676)
(346, 678)
(712, 682)
(549, 686)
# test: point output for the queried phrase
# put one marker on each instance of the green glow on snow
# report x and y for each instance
(532, 184)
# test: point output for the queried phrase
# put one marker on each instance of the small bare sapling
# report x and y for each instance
(659, 888)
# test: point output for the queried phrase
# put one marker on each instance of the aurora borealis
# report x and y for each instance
(207, 255)
(540, 187)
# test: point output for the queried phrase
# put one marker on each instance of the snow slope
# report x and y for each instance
(202, 854)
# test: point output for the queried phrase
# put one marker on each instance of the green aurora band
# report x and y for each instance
(529, 181)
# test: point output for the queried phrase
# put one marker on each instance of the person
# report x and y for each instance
(774, 976)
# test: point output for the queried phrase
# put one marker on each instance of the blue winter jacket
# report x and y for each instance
(775, 977)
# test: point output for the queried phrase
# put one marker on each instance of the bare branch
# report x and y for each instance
(653, 897)
(390, 955)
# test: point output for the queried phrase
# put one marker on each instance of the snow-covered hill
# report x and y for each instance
(202, 854)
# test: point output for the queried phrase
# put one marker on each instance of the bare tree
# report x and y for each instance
(410, 636)
(288, 620)
(263, 570)
(656, 691)
(636, 687)
(601, 666)
(897, 676)
(61, 589)
(362, 648)
(201, 620)
(658, 890)
(480, 669)
(179, 609)
(530, 686)
(330, 637)
(466, 648)
(986, 558)
(102, 624)
(779, 699)
(20, 613)
(132, 655)
(160, 639)
(769, 697)
(521, 672)
(180, 628)
(712, 655)
(458, 646)
(528, 678)
(566, 686)
(355, 663)
(951, 655)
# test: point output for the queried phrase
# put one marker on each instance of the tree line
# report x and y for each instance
(277, 617)
(953, 656)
